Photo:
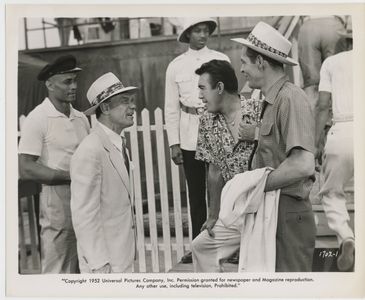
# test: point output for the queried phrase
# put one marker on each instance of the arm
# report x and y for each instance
(172, 116)
(215, 186)
(297, 166)
(297, 128)
(322, 114)
(172, 108)
(323, 105)
(30, 169)
(86, 181)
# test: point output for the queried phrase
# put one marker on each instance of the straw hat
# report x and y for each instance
(103, 88)
(270, 42)
(190, 22)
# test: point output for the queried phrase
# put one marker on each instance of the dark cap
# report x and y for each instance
(62, 65)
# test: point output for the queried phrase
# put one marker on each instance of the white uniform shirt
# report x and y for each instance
(182, 86)
(336, 78)
(53, 136)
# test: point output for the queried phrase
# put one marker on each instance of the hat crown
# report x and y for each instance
(189, 22)
(100, 85)
(268, 35)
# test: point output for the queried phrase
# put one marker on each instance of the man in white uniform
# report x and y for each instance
(101, 201)
(183, 109)
(50, 135)
(338, 165)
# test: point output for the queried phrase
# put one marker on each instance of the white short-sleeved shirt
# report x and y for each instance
(182, 87)
(336, 78)
(53, 136)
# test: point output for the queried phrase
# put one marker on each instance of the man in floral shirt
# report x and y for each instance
(219, 144)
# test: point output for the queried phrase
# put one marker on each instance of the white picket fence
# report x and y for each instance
(172, 249)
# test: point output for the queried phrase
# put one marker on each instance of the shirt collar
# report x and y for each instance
(115, 138)
(53, 112)
(199, 52)
(275, 88)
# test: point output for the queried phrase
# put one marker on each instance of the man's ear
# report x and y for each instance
(105, 108)
(49, 85)
(260, 62)
(220, 87)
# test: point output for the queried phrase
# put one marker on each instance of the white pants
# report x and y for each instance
(208, 252)
(337, 171)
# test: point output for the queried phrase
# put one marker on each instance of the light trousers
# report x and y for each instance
(337, 171)
(209, 252)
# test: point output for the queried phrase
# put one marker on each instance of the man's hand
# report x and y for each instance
(209, 224)
(176, 154)
(104, 269)
(246, 132)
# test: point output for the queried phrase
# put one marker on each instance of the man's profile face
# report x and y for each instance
(121, 109)
(250, 70)
(208, 94)
(198, 36)
(63, 87)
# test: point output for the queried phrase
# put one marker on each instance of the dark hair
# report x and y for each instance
(252, 55)
(98, 112)
(220, 71)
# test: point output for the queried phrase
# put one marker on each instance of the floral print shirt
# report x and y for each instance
(216, 144)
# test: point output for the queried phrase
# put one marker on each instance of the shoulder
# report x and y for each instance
(292, 96)
(219, 55)
(177, 61)
(37, 118)
(38, 112)
(91, 145)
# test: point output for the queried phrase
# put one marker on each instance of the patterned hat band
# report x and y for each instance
(256, 42)
(107, 92)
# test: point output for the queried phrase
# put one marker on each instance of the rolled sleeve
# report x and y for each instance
(297, 124)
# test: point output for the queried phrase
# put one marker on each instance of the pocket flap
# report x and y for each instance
(266, 128)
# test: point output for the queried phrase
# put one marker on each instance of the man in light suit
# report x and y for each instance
(101, 201)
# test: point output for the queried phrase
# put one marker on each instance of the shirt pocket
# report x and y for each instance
(184, 83)
(266, 128)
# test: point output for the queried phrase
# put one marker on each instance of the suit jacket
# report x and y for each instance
(101, 205)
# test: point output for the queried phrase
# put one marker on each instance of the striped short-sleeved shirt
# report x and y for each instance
(287, 123)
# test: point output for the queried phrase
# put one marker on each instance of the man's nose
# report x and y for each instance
(74, 85)
(242, 69)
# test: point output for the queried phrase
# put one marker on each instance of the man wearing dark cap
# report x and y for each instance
(50, 135)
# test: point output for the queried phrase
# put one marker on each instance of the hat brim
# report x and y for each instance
(129, 89)
(74, 70)
(182, 38)
(287, 60)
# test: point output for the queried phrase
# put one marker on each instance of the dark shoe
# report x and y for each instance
(346, 259)
(234, 258)
(187, 258)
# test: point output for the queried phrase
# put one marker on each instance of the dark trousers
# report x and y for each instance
(195, 177)
(295, 236)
